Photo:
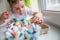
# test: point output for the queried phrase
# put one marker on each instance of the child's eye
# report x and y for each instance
(17, 8)
(22, 6)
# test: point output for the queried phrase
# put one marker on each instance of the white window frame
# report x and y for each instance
(51, 5)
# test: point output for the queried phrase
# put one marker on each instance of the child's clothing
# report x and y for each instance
(27, 12)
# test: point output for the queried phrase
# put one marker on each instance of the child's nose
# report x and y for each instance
(20, 9)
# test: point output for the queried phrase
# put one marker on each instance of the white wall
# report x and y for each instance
(34, 5)
(3, 6)
(53, 34)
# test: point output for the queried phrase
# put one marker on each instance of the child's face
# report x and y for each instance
(18, 7)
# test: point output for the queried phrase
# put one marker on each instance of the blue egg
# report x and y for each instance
(15, 20)
(29, 32)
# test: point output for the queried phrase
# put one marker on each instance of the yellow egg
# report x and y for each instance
(17, 22)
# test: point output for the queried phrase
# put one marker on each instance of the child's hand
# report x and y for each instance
(37, 18)
(4, 16)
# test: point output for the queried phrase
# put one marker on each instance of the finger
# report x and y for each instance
(40, 21)
(34, 19)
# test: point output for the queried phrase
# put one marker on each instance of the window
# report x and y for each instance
(49, 5)
(52, 5)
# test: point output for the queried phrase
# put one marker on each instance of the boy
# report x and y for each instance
(19, 10)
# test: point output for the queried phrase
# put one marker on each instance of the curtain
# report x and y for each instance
(42, 5)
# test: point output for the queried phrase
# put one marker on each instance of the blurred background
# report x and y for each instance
(51, 15)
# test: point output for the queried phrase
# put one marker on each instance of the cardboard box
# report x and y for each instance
(44, 29)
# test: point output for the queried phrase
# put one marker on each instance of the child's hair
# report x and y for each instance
(11, 2)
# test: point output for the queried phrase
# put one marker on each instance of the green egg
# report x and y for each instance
(25, 21)
(11, 38)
